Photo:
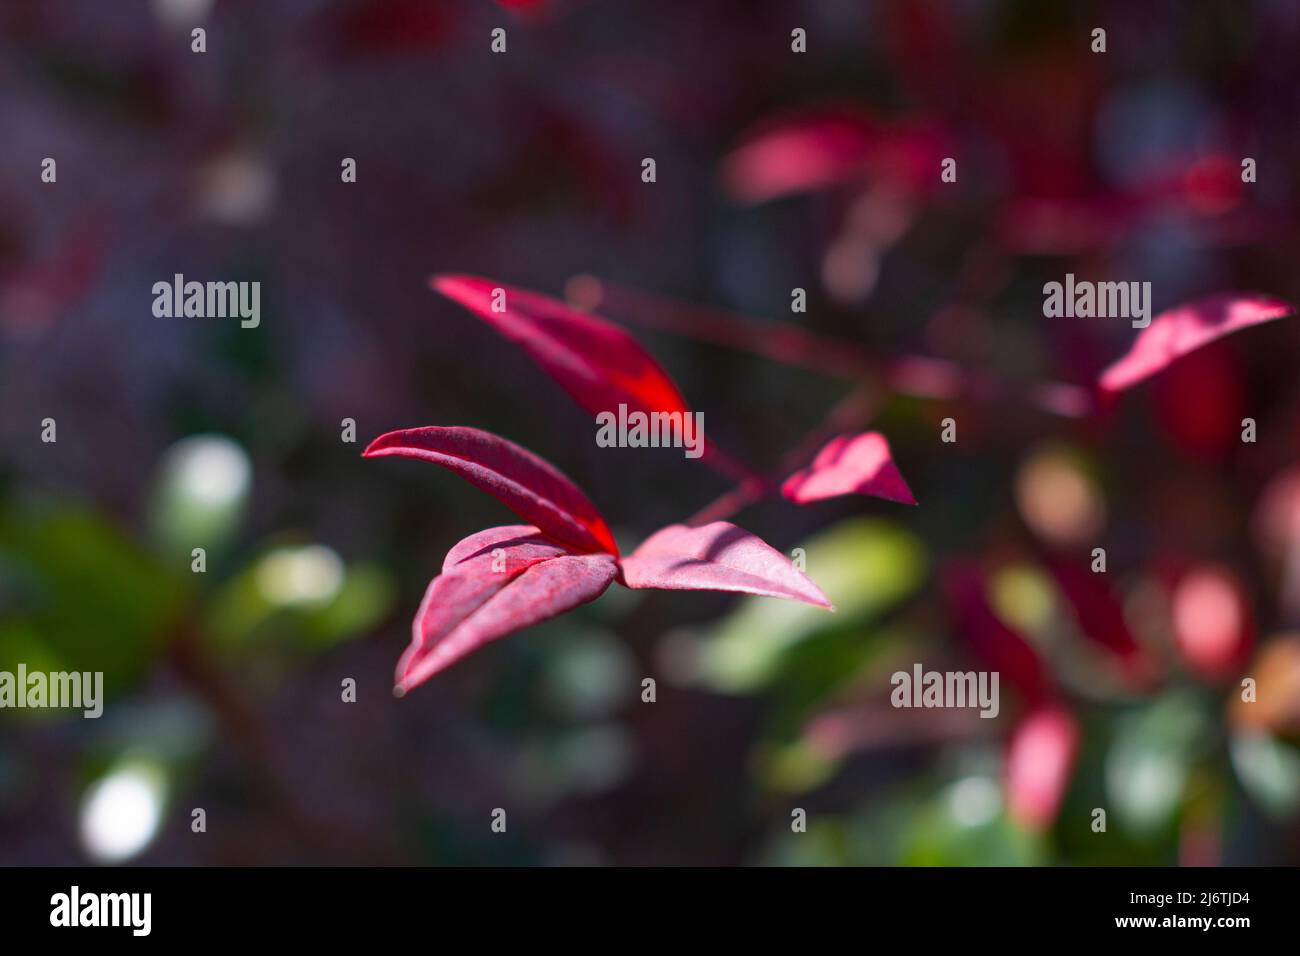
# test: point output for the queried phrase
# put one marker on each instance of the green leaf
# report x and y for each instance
(298, 596)
(1151, 754)
(864, 565)
(1269, 770)
(81, 595)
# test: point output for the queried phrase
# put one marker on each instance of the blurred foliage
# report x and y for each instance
(79, 595)
(867, 565)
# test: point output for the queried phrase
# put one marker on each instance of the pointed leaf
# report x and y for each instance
(457, 608)
(597, 363)
(717, 557)
(850, 464)
(475, 569)
(530, 487)
(1185, 328)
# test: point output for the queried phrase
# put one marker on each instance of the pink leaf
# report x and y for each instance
(530, 487)
(800, 152)
(597, 363)
(474, 570)
(717, 557)
(490, 539)
(1039, 763)
(471, 605)
(850, 464)
(796, 154)
(1185, 328)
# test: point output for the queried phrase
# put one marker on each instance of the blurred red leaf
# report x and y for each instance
(1096, 608)
(850, 464)
(1199, 400)
(36, 294)
(1212, 622)
(530, 487)
(381, 27)
(1185, 328)
(1067, 225)
(795, 154)
(717, 557)
(988, 636)
(1039, 763)
(820, 148)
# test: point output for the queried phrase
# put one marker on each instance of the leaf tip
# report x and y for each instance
(452, 285)
(380, 446)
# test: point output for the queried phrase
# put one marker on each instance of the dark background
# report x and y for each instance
(224, 689)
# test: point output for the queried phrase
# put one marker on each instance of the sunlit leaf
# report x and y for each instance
(1185, 328)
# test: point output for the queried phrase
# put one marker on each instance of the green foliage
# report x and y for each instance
(79, 595)
(865, 565)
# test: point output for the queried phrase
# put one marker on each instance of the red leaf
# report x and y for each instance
(473, 571)
(1097, 609)
(1066, 225)
(470, 605)
(820, 148)
(504, 536)
(989, 637)
(530, 487)
(385, 27)
(850, 464)
(797, 154)
(597, 363)
(717, 557)
(38, 293)
(1185, 328)
(1199, 401)
(1039, 763)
